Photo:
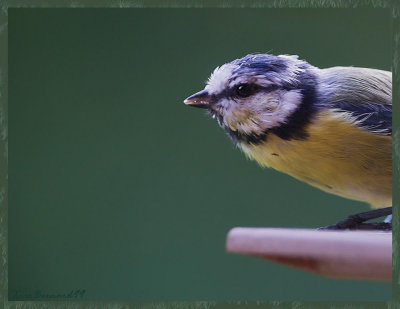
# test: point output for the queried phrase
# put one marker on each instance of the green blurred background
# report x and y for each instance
(119, 189)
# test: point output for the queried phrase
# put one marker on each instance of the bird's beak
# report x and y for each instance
(200, 99)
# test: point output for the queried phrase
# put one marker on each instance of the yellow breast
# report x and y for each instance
(337, 157)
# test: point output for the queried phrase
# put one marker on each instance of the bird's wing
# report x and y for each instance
(364, 94)
(375, 118)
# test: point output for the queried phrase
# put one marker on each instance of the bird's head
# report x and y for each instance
(257, 94)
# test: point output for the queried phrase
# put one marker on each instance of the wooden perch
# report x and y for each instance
(364, 255)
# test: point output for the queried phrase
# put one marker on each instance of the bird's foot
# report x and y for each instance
(357, 221)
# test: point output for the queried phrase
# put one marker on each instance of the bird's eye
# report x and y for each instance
(244, 90)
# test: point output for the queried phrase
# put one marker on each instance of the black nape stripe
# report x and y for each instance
(296, 124)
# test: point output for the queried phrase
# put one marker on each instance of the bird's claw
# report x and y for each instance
(356, 222)
(382, 226)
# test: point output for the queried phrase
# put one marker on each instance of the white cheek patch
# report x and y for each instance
(235, 117)
(227, 109)
(289, 102)
(219, 79)
(260, 112)
(270, 110)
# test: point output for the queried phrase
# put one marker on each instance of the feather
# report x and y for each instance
(364, 95)
(375, 118)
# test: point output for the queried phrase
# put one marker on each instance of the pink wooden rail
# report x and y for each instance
(365, 255)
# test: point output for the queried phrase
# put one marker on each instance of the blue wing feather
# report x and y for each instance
(375, 118)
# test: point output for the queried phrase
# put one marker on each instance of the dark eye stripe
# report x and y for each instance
(254, 89)
(244, 90)
(229, 93)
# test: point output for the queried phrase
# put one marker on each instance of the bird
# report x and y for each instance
(329, 127)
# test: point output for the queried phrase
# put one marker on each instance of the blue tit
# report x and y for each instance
(331, 128)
